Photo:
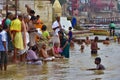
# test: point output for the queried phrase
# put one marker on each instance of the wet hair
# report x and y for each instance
(44, 27)
(70, 28)
(98, 59)
(34, 48)
(107, 38)
(96, 38)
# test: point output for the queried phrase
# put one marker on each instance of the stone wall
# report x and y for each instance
(41, 7)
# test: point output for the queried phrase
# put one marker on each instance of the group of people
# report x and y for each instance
(20, 35)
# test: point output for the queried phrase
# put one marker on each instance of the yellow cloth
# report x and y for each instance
(15, 25)
(18, 40)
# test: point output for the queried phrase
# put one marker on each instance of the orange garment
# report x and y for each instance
(39, 24)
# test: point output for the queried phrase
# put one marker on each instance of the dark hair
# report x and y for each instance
(20, 16)
(96, 38)
(38, 16)
(0, 28)
(98, 59)
(34, 48)
(33, 18)
(44, 27)
(32, 12)
(70, 28)
(9, 13)
(61, 32)
(112, 22)
(107, 38)
(5, 27)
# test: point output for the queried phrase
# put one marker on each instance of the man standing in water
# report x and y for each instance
(112, 28)
(94, 46)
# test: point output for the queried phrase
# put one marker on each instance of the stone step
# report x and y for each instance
(83, 34)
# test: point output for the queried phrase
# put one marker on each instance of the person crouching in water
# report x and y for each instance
(44, 54)
(57, 51)
(94, 46)
(32, 57)
(107, 41)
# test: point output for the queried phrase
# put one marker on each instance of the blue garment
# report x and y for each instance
(1, 42)
(70, 35)
(74, 22)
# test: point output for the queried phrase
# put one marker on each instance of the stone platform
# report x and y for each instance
(82, 33)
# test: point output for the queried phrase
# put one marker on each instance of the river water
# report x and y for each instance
(73, 68)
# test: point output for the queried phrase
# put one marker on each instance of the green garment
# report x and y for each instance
(112, 25)
(45, 34)
(65, 51)
(7, 22)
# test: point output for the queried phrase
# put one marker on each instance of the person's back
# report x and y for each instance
(112, 28)
(100, 67)
(31, 55)
(112, 25)
(106, 41)
(44, 54)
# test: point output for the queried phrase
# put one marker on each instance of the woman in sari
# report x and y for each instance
(64, 44)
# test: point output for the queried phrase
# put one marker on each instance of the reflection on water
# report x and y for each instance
(70, 69)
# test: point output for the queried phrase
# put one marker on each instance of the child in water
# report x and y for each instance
(99, 65)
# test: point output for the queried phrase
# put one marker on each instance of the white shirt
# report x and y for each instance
(4, 36)
(55, 24)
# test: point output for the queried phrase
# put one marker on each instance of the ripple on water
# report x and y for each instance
(70, 69)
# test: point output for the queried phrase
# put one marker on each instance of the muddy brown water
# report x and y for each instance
(73, 68)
